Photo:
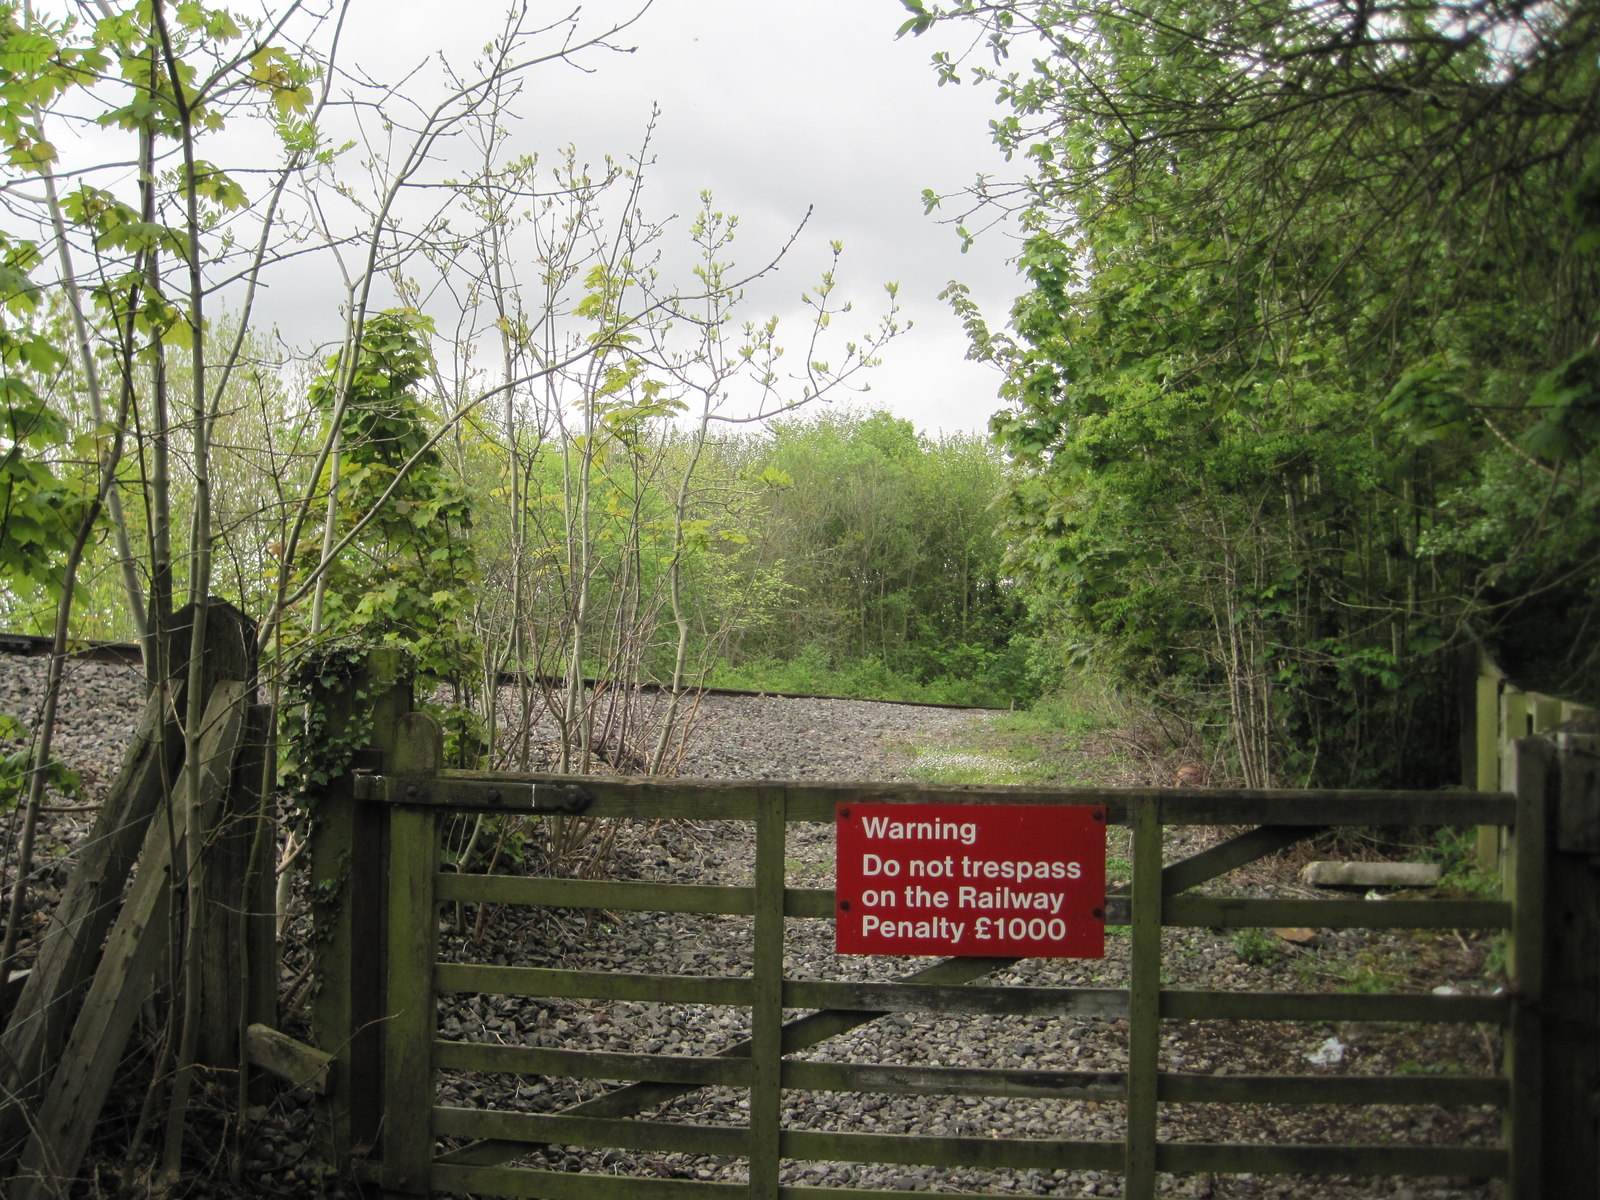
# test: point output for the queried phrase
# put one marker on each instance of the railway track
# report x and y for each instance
(127, 654)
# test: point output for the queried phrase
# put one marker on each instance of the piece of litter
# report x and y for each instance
(1329, 1054)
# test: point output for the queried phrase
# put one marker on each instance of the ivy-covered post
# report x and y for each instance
(356, 727)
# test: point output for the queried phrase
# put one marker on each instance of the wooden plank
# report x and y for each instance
(233, 893)
(1431, 1090)
(70, 943)
(1144, 1004)
(1443, 1091)
(766, 1011)
(125, 977)
(543, 1129)
(1478, 1162)
(1526, 864)
(734, 800)
(964, 1081)
(1234, 912)
(1486, 773)
(1021, 1154)
(290, 1060)
(687, 1069)
(1236, 852)
(1185, 1005)
(958, 1000)
(255, 773)
(591, 985)
(621, 896)
(596, 893)
(412, 946)
(561, 1185)
(558, 1185)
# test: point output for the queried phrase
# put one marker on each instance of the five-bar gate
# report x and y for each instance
(389, 1059)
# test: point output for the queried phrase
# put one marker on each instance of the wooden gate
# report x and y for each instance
(383, 974)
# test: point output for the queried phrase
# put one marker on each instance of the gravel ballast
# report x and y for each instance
(810, 739)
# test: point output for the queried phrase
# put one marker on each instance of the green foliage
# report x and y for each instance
(39, 504)
(16, 766)
(1257, 947)
(886, 543)
(403, 518)
(327, 718)
(1456, 852)
(1299, 402)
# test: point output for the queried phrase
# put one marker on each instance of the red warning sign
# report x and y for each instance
(978, 880)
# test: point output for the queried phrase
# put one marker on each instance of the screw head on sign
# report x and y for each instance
(844, 906)
(1099, 814)
(844, 812)
(1098, 914)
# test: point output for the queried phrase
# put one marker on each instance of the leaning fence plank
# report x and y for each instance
(41, 1020)
(1237, 851)
(124, 979)
(1536, 781)
(1144, 1003)
(766, 1015)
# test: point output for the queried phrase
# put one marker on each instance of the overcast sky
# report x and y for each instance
(776, 107)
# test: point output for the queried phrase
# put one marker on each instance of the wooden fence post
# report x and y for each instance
(1144, 1001)
(1553, 874)
(347, 901)
(1571, 1009)
(1524, 868)
(413, 947)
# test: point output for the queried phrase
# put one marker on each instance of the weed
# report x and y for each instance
(1456, 852)
(1256, 947)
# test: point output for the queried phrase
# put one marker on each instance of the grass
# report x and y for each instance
(1074, 738)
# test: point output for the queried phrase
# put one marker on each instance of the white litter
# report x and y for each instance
(1329, 1054)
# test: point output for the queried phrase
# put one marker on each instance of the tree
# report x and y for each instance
(238, 176)
(1301, 383)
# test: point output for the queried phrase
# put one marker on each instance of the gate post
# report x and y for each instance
(1554, 1049)
(347, 854)
(1523, 865)
(412, 948)
(1144, 1000)
(1571, 1011)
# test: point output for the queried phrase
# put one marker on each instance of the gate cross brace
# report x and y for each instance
(804, 1032)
